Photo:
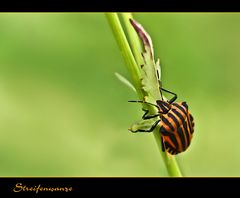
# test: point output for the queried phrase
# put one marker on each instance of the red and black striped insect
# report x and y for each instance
(176, 123)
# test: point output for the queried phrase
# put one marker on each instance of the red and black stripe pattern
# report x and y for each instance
(177, 126)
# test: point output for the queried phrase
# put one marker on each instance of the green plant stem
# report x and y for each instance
(132, 63)
(125, 50)
(169, 161)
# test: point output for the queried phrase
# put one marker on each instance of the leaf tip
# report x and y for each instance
(146, 39)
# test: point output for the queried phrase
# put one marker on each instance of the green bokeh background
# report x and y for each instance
(64, 113)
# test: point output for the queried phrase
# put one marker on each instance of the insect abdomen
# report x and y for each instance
(177, 128)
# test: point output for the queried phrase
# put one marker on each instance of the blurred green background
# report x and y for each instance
(64, 113)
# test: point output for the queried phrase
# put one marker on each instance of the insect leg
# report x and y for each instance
(163, 145)
(174, 97)
(149, 130)
(146, 117)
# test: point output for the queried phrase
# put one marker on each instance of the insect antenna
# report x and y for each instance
(140, 101)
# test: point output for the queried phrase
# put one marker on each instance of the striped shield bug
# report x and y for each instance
(176, 123)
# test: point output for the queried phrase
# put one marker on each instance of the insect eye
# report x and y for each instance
(185, 105)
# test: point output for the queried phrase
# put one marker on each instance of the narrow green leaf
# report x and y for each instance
(125, 81)
(134, 40)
